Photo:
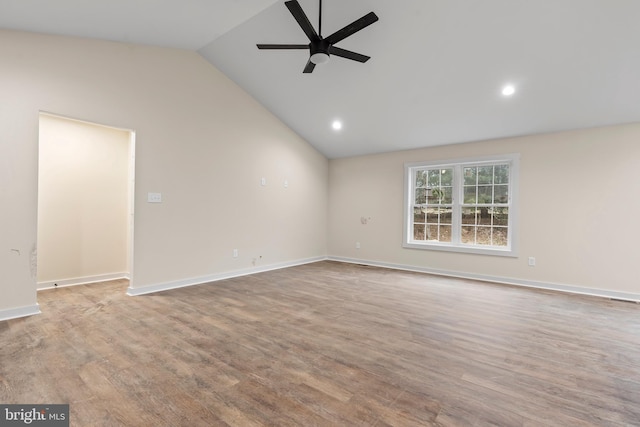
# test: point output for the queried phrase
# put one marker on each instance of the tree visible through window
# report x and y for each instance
(433, 205)
(462, 206)
(485, 208)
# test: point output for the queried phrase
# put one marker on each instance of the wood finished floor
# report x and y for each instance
(327, 344)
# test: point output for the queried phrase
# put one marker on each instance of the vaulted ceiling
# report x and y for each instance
(436, 72)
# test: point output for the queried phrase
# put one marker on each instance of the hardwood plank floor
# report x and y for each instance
(327, 344)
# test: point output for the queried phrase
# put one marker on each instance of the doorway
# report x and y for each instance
(85, 202)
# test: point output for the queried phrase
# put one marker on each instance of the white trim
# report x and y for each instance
(465, 160)
(131, 202)
(14, 313)
(216, 277)
(81, 281)
(626, 296)
(446, 247)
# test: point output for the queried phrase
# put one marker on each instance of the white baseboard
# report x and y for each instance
(216, 277)
(81, 280)
(626, 296)
(14, 313)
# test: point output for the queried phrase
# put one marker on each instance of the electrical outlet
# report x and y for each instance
(235, 253)
(532, 261)
(154, 197)
(357, 245)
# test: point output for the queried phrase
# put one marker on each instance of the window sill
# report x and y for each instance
(445, 247)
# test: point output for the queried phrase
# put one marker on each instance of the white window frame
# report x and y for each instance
(455, 245)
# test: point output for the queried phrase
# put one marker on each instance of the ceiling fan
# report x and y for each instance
(321, 48)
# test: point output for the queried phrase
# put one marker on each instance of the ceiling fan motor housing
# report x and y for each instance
(319, 51)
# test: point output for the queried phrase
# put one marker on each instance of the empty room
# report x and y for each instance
(319, 213)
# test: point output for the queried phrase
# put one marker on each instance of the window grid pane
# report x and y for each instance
(485, 189)
(433, 198)
(443, 195)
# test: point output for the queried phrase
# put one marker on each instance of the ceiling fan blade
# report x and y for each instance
(309, 67)
(282, 46)
(348, 54)
(354, 27)
(297, 12)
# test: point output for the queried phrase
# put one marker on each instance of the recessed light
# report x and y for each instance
(336, 125)
(508, 90)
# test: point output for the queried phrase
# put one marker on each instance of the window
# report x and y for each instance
(462, 205)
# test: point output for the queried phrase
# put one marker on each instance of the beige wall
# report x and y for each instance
(200, 141)
(205, 144)
(83, 198)
(579, 198)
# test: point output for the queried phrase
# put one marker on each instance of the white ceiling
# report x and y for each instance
(185, 24)
(436, 71)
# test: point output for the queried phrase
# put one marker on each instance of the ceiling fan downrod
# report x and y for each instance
(320, 20)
